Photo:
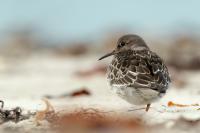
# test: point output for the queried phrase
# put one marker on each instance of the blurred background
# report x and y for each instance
(52, 47)
(35, 35)
(70, 27)
(44, 43)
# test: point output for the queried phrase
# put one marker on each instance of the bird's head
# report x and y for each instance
(127, 42)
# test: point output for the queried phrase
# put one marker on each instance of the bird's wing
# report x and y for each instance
(142, 69)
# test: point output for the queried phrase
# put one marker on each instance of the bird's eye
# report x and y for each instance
(121, 44)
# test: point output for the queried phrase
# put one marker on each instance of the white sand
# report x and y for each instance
(25, 83)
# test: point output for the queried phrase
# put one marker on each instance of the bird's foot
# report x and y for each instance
(2, 103)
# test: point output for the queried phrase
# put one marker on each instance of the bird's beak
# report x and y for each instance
(107, 55)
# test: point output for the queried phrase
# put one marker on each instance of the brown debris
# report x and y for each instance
(47, 114)
(172, 104)
(99, 69)
(81, 92)
(94, 119)
(89, 119)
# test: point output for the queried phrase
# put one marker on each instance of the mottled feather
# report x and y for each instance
(139, 69)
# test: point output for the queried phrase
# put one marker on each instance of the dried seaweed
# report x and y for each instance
(172, 104)
(47, 114)
(14, 115)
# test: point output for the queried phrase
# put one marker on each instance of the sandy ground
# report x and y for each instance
(24, 83)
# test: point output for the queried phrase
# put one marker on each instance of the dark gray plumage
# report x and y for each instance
(138, 74)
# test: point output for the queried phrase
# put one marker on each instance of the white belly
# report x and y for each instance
(141, 96)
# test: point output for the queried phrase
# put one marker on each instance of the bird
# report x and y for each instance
(137, 74)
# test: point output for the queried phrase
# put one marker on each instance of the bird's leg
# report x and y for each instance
(147, 108)
(2, 103)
